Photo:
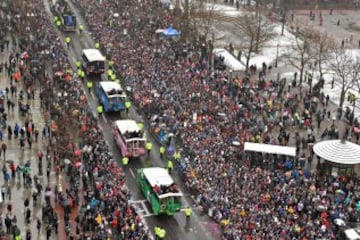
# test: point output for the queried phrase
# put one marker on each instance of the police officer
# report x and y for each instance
(99, 110)
(162, 152)
(111, 64)
(67, 41)
(78, 72)
(82, 75)
(113, 77)
(58, 23)
(140, 125)
(162, 233)
(157, 230)
(81, 28)
(148, 147)
(78, 64)
(110, 73)
(170, 166)
(125, 161)
(188, 213)
(127, 106)
(97, 45)
(177, 156)
(89, 85)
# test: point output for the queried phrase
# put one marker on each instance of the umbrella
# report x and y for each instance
(321, 208)
(235, 143)
(171, 32)
(339, 222)
(67, 161)
(25, 55)
(358, 206)
(356, 129)
(78, 164)
(77, 152)
(340, 191)
(116, 15)
(159, 30)
(171, 150)
(59, 73)
(67, 78)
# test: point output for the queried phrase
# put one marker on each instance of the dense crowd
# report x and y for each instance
(209, 110)
(101, 210)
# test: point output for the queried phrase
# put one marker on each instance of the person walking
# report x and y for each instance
(188, 213)
(125, 161)
(127, 106)
(170, 166)
(148, 147)
(3, 149)
(99, 109)
(89, 85)
(68, 41)
(81, 28)
(162, 152)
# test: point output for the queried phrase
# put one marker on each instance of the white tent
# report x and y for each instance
(269, 148)
(338, 151)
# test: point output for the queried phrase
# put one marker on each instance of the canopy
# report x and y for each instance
(171, 32)
(269, 148)
(338, 151)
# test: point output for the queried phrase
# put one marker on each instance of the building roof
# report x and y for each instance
(269, 148)
(338, 151)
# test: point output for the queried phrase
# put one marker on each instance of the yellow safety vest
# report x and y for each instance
(140, 125)
(113, 77)
(81, 27)
(162, 149)
(58, 23)
(97, 45)
(125, 161)
(162, 233)
(89, 84)
(99, 109)
(111, 63)
(82, 74)
(156, 230)
(188, 212)
(148, 146)
(78, 72)
(78, 64)
(110, 72)
(170, 165)
(67, 39)
(177, 156)
(127, 104)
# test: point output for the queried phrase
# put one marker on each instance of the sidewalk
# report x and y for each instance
(14, 154)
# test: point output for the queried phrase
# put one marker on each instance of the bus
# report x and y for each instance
(68, 19)
(111, 96)
(129, 138)
(93, 61)
(159, 189)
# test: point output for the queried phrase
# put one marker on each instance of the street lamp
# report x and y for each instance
(277, 54)
(283, 21)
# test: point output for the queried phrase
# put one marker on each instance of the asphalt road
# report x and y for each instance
(200, 227)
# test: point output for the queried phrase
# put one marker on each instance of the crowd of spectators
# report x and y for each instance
(208, 110)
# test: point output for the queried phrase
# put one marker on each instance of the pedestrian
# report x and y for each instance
(3, 190)
(188, 213)
(16, 130)
(99, 109)
(10, 132)
(170, 166)
(22, 144)
(162, 152)
(3, 149)
(28, 234)
(89, 85)
(48, 232)
(30, 142)
(148, 147)
(40, 155)
(127, 106)
(36, 134)
(338, 22)
(38, 225)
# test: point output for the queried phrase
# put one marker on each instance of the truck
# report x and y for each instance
(67, 17)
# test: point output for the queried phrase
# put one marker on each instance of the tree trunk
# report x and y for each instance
(342, 96)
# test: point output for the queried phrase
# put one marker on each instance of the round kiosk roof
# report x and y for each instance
(338, 151)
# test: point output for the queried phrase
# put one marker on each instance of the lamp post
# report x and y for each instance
(283, 21)
(277, 54)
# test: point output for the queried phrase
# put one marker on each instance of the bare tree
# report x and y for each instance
(203, 17)
(322, 44)
(347, 69)
(299, 55)
(255, 31)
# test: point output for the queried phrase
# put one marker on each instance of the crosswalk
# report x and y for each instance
(141, 208)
